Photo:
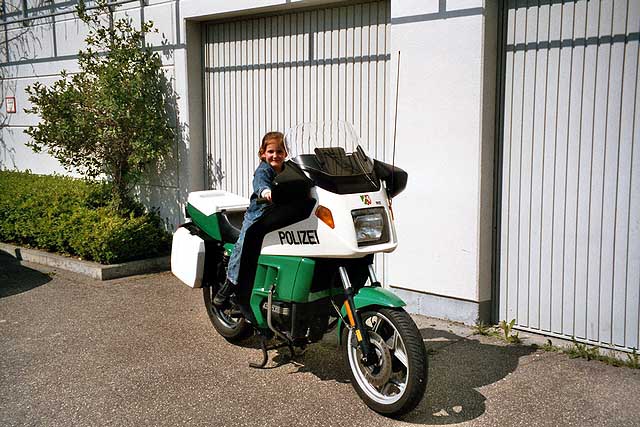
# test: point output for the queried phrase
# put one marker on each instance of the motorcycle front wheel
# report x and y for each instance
(396, 384)
(232, 326)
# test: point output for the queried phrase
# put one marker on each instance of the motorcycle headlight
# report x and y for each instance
(371, 226)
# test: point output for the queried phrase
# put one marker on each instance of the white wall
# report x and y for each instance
(445, 142)
(444, 130)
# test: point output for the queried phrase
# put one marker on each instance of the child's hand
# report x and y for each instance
(266, 194)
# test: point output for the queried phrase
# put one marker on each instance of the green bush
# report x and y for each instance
(76, 217)
(113, 117)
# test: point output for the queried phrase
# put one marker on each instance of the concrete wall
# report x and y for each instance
(445, 142)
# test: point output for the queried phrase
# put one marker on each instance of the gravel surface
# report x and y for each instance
(141, 351)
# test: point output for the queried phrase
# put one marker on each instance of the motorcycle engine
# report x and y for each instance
(280, 315)
(301, 322)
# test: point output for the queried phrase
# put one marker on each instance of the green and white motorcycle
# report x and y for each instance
(331, 213)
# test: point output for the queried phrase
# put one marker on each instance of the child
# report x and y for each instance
(272, 154)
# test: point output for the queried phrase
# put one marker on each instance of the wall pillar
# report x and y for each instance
(445, 141)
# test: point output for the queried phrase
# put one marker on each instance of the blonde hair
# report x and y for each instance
(268, 138)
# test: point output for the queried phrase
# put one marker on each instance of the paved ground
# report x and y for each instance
(141, 351)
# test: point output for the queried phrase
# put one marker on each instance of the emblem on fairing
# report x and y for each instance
(365, 199)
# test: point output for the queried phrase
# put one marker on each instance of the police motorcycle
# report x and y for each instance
(314, 273)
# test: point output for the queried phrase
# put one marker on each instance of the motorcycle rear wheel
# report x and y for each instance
(397, 383)
(234, 327)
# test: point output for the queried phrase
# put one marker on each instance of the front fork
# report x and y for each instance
(369, 356)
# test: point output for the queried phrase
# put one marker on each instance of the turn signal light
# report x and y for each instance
(324, 214)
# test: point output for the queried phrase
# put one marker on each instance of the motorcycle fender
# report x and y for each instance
(367, 297)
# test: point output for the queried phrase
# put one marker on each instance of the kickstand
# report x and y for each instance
(265, 356)
(292, 351)
(265, 349)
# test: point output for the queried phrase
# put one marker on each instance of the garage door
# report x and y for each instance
(570, 219)
(272, 72)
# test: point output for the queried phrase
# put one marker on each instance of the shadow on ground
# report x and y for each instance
(322, 359)
(458, 367)
(16, 278)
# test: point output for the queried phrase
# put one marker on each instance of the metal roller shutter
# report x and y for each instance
(570, 230)
(271, 72)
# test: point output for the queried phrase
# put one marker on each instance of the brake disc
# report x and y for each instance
(379, 374)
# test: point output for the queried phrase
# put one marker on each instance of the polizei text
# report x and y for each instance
(300, 237)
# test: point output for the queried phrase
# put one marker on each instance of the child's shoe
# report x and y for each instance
(223, 294)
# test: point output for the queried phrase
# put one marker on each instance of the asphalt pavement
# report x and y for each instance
(140, 351)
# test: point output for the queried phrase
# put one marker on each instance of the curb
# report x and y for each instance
(88, 268)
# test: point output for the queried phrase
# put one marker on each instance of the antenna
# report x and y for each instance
(395, 125)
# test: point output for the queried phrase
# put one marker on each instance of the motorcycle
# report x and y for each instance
(331, 213)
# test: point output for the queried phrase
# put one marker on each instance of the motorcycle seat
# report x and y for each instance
(230, 224)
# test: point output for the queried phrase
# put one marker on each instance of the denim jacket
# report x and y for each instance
(262, 180)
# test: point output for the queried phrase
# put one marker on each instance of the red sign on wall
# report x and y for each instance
(10, 102)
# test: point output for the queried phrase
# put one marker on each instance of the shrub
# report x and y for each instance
(114, 117)
(76, 217)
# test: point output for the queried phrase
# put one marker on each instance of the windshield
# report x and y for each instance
(332, 148)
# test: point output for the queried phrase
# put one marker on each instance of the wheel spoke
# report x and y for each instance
(392, 388)
(377, 323)
(400, 386)
(392, 341)
(385, 389)
(225, 316)
(398, 350)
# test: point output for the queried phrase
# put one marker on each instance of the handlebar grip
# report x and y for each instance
(262, 200)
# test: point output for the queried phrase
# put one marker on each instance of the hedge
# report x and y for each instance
(72, 216)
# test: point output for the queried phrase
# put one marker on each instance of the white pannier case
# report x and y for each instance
(188, 250)
(187, 257)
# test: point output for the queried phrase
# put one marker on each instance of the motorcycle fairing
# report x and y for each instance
(325, 242)
(332, 169)
(290, 276)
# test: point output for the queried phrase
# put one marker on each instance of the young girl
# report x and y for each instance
(272, 154)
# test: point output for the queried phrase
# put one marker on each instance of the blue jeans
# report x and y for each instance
(262, 179)
(233, 270)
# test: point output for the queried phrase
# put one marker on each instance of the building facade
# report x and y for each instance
(517, 121)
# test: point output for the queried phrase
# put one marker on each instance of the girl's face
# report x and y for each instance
(274, 154)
